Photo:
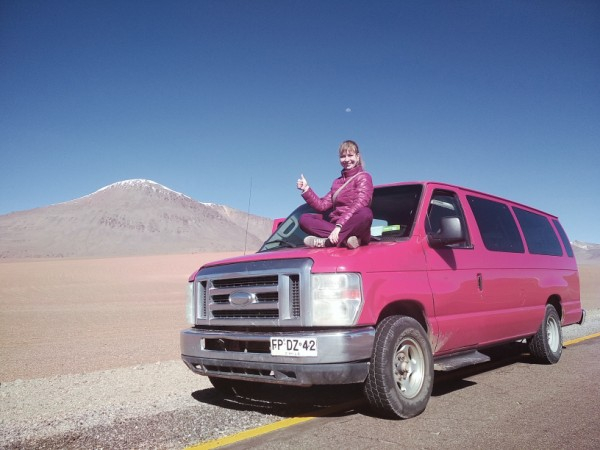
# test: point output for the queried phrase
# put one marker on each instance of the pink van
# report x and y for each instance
(449, 271)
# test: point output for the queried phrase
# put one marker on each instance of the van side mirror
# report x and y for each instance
(451, 232)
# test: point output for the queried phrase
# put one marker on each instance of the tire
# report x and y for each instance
(546, 345)
(400, 376)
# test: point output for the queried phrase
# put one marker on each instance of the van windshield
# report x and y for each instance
(394, 211)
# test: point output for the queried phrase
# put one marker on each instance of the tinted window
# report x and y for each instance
(497, 226)
(539, 235)
(564, 238)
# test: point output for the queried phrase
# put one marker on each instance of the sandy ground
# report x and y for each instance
(67, 316)
(589, 278)
(61, 316)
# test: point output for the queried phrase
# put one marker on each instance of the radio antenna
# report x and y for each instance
(248, 216)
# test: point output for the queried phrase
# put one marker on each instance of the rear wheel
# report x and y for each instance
(546, 345)
(400, 376)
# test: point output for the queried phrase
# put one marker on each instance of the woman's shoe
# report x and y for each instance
(353, 242)
(314, 242)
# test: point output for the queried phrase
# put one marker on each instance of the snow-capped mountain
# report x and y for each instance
(132, 217)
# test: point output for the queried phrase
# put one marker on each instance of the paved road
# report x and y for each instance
(506, 404)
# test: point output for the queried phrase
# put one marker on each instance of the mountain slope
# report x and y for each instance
(586, 253)
(133, 217)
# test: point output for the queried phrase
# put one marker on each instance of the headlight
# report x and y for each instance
(336, 299)
(190, 305)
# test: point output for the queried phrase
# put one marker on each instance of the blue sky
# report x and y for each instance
(212, 98)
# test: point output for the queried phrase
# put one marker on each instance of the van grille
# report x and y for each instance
(268, 314)
(231, 283)
(265, 293)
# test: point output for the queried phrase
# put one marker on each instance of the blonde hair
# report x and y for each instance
(352, 148)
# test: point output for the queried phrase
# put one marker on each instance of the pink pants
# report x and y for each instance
(358, 225)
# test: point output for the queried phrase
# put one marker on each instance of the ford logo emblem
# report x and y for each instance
(241, 298)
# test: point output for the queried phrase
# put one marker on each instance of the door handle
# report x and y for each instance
(480, 282)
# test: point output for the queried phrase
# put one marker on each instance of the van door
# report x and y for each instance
(512, 288)
(454, 277)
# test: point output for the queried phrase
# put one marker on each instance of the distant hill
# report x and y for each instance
(133, 217)
(586, 253)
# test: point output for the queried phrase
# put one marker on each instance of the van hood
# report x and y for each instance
(375, 257)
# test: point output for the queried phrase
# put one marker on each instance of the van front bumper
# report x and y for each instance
(343, 356)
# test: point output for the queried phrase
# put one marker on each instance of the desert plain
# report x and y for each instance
(66, 316)
(70, 316)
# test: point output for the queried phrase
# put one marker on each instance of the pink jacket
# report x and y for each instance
(355, 195)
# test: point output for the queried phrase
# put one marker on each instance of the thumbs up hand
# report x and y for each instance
(302, 184)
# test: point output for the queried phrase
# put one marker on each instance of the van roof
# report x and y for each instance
(466, 190)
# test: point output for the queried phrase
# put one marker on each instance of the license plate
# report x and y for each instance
(285, 346)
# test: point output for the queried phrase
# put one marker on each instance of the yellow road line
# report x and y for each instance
(275, 426)
(581, 339)
(248, 434)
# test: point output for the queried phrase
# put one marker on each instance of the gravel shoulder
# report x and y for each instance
(115, 409)
(46, 406)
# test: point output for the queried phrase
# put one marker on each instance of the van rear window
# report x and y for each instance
(564, 238)
(539, 235)
(497, 226)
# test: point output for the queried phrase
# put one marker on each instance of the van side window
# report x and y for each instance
(497, 226)
(445, 204)
(539, 235)
(564, 238)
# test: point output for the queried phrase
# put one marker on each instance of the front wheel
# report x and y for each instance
(400, 376)
(546, 345)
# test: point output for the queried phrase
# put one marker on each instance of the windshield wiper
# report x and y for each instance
(281, 242)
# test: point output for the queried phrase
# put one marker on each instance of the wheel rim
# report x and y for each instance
(553, 334)
(409, 368)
